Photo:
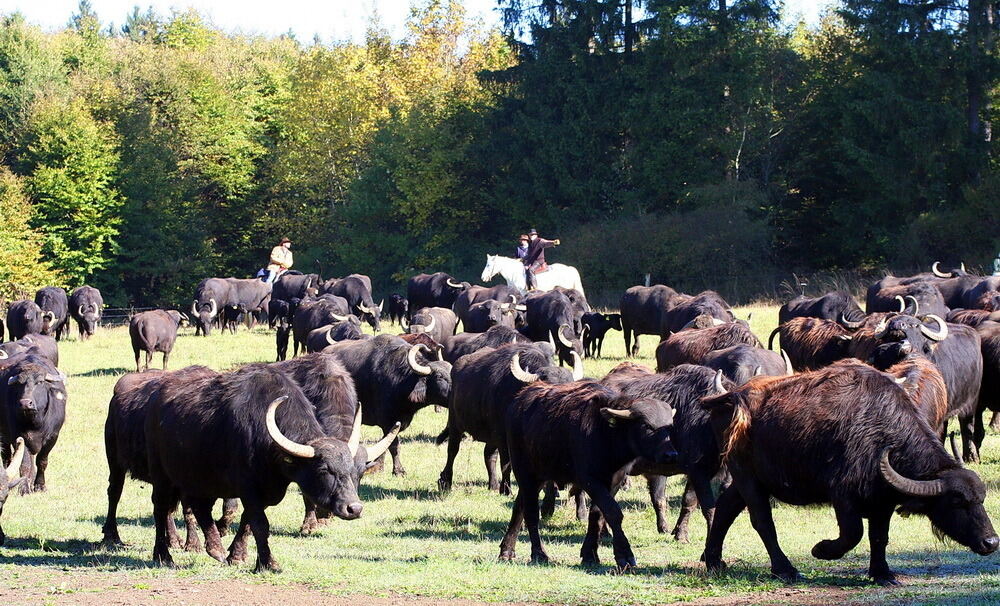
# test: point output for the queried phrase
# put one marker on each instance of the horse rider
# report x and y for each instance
(534, 259)
(522, 247)
(281, 260)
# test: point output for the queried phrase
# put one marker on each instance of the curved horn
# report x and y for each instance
(962, 266)
(937, 272)
(562, 338)
(14, 469)
(79, 311)
(380, 304)
(3, 355)
(329, 338)
(411, 357)
(757, 371)
(689, 324)
(51, 316)
(430, 327)
(619, 413)
(355, 439)
(902, 303)
(453, 284)
(194, 307)
(848, 323)
(577, 366)
(916, 306)
(378, 448)
(718, 322)
(363, 309)
(719, 387)
(880, 328)
(935, 335)
(215, 308)
(440, 354)
(913, 488)
(519, 373)
(789, 371)
(295, 449)
(339, 318)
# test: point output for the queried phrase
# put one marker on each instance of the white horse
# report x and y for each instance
(512, 270)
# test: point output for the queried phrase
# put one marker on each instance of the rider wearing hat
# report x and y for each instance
(281, 259)
(534, 259)
(522, 247)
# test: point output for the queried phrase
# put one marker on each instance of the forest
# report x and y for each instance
(697, 141)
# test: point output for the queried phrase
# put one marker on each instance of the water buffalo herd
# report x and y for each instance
(852, 412)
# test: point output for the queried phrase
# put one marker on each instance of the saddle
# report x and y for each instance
(541, 268)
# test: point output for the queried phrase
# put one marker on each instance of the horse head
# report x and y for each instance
(490, 270)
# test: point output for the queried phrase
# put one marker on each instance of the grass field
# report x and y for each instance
(414, 541)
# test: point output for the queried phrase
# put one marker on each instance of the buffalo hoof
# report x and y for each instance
(492, 486)
(218, 554)
(236, 558)
(398, 471)
(714, 566)
(445, 485)
(25, 489)
(885, 579)
(163, 559)
(590, 560)
(111, 545)
(547, 509)
(505, 489)
(539, 557)
(192, 546)
(827, 550)
(790, 575)
(176, 543)
(680, 534)
(270, 566)
(308, 529)
(507, 556)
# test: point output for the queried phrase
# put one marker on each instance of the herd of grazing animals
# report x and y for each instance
(863, 398)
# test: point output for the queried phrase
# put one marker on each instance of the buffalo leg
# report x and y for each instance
(261, 530)
(530, 509)
(504, 470)
(166, 356)
(851, 532)
(697, 491)
(41, 464)
(580, 501)
(174, 539)
(309, 522)
(137, 367)
(490, 456)
(969, 451)
(612, 513)
(509, 543)
(28, 473)
(192, 542)
(149, 359)
(759, 504)
(163, 504)
(202, 509)
(729, 506)
(549, 502)
(658, 497)
(116, 482)
(627, 333)
(878, 537)
(995, 421)
(397, 464)
(229, 509)
(238, 548)
(454, 444)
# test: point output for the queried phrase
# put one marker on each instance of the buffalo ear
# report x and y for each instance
(419, 393)
(719, 403)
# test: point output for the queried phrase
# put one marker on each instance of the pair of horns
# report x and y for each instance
(524, 376)
(305, 451)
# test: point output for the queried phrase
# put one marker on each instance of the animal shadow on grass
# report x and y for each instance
(104, 372)
(464, 529)
(368, 493)
(74, 553)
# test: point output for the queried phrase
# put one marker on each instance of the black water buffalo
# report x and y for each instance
(10, 478)
(294, 285)
(399, 309)
(831, 306)
(324, 336)
(210, 297)
(973, 317)
(249, 296)
(394, 380)
(281, 341)
(595, 327)
(644, 310)
(857, 442)
(955, 349)
(477, 294)
(153, 331)
(33, 407)
(983, 294)
(433, 290)
(692, 345)
(39, 345)
(125, 443)
(580, 433)
(54, 304)
(86, 306)
(358, 294)
(312, 314)
(23, 318)
(740, 363)
(468, 342)
(279, 312)
(686, 308)
(481, 316)
(246, 434)
(698, 458)
(551, 315)
(812, 343)
(438, 322)
(989, 395)
(484, 384)
(915, 298)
